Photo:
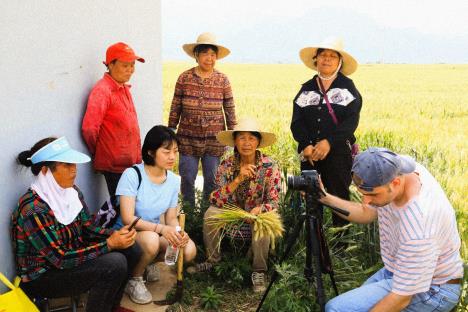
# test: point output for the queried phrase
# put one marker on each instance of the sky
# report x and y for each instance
(261, 31)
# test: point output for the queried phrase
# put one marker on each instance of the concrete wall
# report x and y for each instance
(51, 55)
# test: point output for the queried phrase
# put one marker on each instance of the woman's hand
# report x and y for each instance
(171, 235)
(307, 152)
(246, 172)
(185, 239)
(121, 239)
(321, 150)
(255, 211)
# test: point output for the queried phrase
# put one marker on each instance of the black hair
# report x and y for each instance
(24, 158)
(320, 50)
(158, 136)
(203, 48)
(254, 133)
(111, 62)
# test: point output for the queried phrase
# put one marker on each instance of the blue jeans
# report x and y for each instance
(188, 169)
(437, 298)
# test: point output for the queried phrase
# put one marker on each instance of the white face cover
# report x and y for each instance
(65, 203)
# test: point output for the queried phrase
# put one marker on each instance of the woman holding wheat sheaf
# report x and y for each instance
(325, 116)
(249, 180)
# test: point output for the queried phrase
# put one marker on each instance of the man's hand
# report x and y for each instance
(121, 239)
(392, 303)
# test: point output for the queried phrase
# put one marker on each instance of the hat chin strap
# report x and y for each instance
(334, 74)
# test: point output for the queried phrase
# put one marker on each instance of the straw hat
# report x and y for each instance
(206, 38)
(349, 63)
(250, 125)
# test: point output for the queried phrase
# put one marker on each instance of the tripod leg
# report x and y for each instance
(315, 255)
(290, 243)
(325, 256)
(308, 270)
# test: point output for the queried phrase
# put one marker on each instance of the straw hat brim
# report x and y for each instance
(349, 63)
(222, 51)
(227, 137)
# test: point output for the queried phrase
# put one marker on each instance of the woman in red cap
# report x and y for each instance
(110, 125)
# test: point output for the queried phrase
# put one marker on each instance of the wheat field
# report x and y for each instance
(421, 110)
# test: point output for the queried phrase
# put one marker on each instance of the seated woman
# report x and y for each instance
(250, 180)
(153, 199)
(58, 250)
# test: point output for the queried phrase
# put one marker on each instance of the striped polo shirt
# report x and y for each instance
(419, 242)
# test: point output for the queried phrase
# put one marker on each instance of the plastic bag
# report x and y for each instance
(15, 300)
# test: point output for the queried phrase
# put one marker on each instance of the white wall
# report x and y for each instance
(51, 55)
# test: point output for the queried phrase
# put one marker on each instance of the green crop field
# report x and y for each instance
(421, 110)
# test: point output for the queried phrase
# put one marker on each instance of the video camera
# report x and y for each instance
(308, 181)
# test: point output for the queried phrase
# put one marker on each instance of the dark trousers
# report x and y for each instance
(112, 179)
(104, 277)
(335, 171)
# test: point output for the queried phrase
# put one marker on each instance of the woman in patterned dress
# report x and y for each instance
(250, 180)
(202, 107)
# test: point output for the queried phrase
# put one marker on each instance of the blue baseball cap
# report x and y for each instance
(378, 166)
(59, 150)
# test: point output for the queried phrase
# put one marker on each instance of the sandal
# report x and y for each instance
(201, 267)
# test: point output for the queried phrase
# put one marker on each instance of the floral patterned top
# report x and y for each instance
(262, 190)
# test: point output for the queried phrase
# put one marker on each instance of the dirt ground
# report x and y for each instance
(158, 290)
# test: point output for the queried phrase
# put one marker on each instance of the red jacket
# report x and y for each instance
(110, 127)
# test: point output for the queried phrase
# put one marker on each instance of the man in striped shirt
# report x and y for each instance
(419, 240)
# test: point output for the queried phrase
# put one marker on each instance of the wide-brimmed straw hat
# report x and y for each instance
(250, 125)
(206, 38)
(349, 63)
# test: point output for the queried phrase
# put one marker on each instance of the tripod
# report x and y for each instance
(317, 253)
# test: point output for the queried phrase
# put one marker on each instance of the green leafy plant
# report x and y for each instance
(210, 299)
(233, 272)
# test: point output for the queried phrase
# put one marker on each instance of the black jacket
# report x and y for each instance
(311, 121)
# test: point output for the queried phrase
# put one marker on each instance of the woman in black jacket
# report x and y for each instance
(325, 132)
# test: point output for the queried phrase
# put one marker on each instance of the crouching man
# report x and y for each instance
(419, 240)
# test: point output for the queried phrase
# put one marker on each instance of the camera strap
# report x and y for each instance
(330, 109)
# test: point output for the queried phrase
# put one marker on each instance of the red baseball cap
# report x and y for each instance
(122, 52)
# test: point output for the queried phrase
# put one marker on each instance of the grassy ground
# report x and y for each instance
(416, 109)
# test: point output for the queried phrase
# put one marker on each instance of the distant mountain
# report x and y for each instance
(262, 40)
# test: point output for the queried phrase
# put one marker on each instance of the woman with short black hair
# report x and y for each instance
(154, 199)
(202, 106)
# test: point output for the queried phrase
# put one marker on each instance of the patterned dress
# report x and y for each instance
(262, 190)
(201, 108)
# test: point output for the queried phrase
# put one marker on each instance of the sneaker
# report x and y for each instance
(137, 291)
(152, 273)
(258, 281)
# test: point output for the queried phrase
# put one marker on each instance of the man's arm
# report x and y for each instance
(392, 303)
(358, 212)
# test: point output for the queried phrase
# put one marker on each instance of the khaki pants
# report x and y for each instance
(258, 249)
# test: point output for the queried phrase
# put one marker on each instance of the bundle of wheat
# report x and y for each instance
(264, 224)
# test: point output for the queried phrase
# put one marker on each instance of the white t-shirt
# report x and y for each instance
(152, 199)
(419, 242)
